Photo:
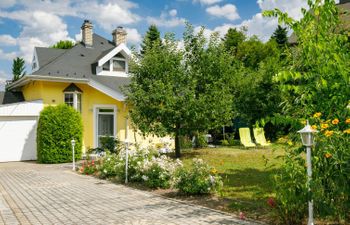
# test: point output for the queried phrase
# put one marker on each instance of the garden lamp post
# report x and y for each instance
(126, 159)
(308, 140)
(73, 145)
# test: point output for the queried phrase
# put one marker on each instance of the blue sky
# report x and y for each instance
(25, 24)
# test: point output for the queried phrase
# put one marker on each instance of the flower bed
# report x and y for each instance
(146, 166)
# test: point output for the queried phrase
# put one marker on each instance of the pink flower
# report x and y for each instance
(271, 202)
(242, 215)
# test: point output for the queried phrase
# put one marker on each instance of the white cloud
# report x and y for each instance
(221, 30)
(39, 29)
(134, 36)
(207, 2)
(7, 55)
(291, 7)
(42, 24)
(110, 15)
(7, 40)
(78, 37)
(3, 78)
(173, 12)
(7, 3)
(264, 27)
(228, 11)
(167, 19)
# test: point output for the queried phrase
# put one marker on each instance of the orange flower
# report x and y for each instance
(317, 115)
(347, 121)
(347, 131)
(314, 127)
(328, 133)
(324, 125)
(335, 121)
(328, 155)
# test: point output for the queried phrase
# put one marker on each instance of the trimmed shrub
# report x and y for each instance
(57, 126)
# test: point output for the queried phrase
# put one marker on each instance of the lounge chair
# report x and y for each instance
(246, 140)
(260, 137)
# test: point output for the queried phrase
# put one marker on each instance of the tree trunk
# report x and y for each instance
(177, 146)
(177, 143)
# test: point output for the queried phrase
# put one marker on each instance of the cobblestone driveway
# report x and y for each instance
(53, 194)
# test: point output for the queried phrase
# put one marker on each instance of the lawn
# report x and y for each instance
(247, 176)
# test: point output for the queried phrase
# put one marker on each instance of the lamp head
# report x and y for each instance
(73, 142)
(307, 135)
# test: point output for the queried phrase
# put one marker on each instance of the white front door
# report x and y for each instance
(105, 117)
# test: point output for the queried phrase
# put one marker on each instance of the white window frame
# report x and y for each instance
(95, 120)
(118, 59)
(75, 99)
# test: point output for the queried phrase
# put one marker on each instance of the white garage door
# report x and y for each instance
(18, 131)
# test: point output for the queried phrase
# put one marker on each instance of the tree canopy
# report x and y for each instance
(316, 76)
(151, 38)
(64, 44)
(18, 68)
(178, 91)
(233, 38)
(280, 35)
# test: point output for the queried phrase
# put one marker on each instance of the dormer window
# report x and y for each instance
(119, 64)
(114, 63)
(106, 66)
(34, 66)
(72, 96)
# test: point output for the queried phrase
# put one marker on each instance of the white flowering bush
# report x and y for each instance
(199, 178)
(107, 166)
(158, 172)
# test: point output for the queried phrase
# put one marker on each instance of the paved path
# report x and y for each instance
(53, 194)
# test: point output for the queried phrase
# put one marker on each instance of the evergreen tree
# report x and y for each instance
(280, 35)
(233, 38)
(152, 36)
(18, 68)
(66, 44)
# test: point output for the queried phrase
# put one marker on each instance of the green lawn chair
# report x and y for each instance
(260, 137)
(246, 140)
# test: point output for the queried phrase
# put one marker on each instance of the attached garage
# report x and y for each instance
(18, 122)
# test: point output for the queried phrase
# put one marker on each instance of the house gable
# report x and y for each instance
(114, 62)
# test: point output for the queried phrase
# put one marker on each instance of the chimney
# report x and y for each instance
(119, 36)
(86, 29)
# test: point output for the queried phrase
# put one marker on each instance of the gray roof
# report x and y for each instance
(78, 62)
(8, 97)
(47, 55)
(344, 9)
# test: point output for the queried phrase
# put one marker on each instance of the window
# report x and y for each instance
(34, 66)
(73, 99)
(106, 66)
(69, 99)
(105, 123)
(118, 65)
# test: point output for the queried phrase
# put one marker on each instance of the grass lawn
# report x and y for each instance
(247, 176)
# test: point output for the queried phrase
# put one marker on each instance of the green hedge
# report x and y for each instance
(57, 126)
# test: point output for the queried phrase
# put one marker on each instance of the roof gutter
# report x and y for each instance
(26, 79)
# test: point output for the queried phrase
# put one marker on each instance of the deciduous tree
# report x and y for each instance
(177, 91)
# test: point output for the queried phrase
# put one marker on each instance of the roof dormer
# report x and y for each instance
(114, 62)
(35, 61)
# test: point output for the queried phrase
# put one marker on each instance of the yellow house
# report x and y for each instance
(88, 77)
